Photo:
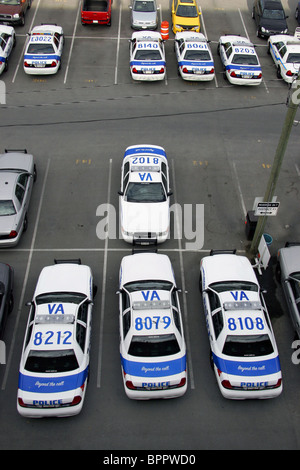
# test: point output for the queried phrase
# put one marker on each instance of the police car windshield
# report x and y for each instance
(145, 192)
(148, 285)
(147, 54)
(196, 55)
(233, 285)
(7, 208)
(187, 11)
(40, 48)
(245, 59)
(68, 297)
(49, 362)
(153, 346)
(247, 346)
(293, 58)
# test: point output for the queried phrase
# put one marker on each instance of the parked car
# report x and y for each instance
(17, 175)
(288, 270)
(270, 18)
(144, 14)
(7, 43)
(96, 12)
(13, 11)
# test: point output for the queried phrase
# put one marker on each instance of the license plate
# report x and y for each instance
(148, 71)
(199, 71)
(247, 75)
(39, 64)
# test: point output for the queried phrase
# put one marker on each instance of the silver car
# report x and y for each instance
(17, 175)
(144, 14)
(289, 274)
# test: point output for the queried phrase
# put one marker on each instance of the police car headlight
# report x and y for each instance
(264, 30)
(16, 16)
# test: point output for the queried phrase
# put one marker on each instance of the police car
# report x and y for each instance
(43, 50)
(285, 51)
(145, 195)
(195, 61)
(244, 354)
(7, 42)
(147, 56)
(240, 62)
(152, 345)
(54, 364)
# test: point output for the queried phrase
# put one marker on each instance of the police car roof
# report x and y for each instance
(66, 277)
(228, 267)
(191, 36)
(146, 266)
(46, 29)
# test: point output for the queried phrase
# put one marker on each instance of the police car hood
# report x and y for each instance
(147, 17)
(145, 217)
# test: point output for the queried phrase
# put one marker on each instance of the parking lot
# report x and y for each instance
(220, 141)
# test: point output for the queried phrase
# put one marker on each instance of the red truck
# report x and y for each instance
(96, 12)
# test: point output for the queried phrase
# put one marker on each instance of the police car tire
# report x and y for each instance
(279, 72)
(25, 223)
(211, 359)
(11, 303)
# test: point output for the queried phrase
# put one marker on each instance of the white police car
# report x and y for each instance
(145, 195)
(244, 354)
(54, 364)
(285, 52)
(43, 50)
(147, 56)
(194, 57)
(152, 345)
(7, 42)
(240, 62)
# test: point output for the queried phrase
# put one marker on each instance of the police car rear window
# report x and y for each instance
(40, 48)
(49, 362)
(244, 59)
(67, 297)
(293, 57)
(7, 208)
(197, 55)
(153, 346)
(147, 54)
(233, 285)
(148, 285)
(247, 346)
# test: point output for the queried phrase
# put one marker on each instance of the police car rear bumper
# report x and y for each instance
(260, 388)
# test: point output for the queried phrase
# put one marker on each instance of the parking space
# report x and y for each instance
(220, 141)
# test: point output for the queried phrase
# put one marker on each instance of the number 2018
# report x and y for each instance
(51, 338)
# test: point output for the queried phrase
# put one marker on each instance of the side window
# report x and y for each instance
(214, 300)
(283, 51)
(125, 175)
(31, 314)
(176, 311)
(82, 312)
(164, 176)
(126, 313)
(19, 192)
(228, 50)
(80, 334)
(218, 322)
(23, 178)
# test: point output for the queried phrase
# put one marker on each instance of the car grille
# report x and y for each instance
(4, 17)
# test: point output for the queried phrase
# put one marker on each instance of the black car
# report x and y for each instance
(270, 18)
(6, 293)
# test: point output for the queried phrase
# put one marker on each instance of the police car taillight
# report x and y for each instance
(53, 63)
(130, 385)
(13, 234)
(226, 384)
(233, 74)
(21, 403)
(289, 73)
(76, 400)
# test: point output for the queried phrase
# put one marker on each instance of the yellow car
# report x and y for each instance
(185, 16)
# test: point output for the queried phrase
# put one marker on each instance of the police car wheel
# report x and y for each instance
(211, 359)
(278, 72)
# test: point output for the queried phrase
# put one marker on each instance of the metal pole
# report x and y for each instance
(292, 104)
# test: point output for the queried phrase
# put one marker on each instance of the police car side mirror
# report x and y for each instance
(169, 193)
(120, 193)
(28, 304)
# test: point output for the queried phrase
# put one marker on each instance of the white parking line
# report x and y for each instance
(186, 328)
(205, 34)
(22, 53)
(103, 286)
(21, 303)
(72, 42)
(118, 45)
